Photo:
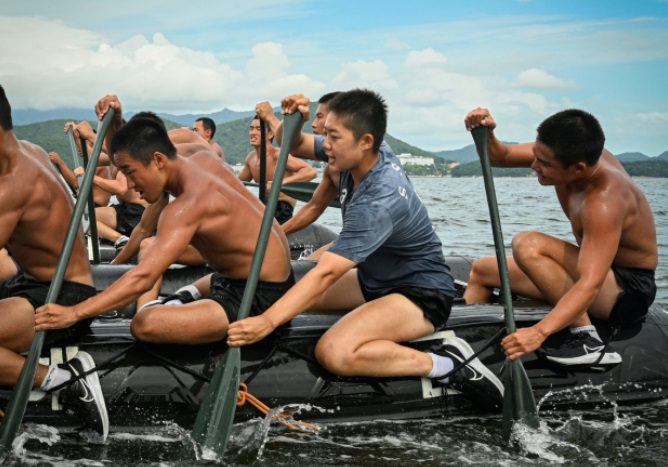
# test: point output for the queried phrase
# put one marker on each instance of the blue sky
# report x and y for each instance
(432, 60)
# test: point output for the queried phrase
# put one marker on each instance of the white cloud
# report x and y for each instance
(51, 65)
(359, 74)
(425, 57)
(659, 118)
(537, 78)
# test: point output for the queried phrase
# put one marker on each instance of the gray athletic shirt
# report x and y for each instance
(387, 231)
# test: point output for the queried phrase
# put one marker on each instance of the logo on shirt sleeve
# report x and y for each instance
(402, 192)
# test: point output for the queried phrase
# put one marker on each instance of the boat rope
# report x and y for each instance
(244, 396)
(492, 340)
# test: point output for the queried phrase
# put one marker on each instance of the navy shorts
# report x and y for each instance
(229, 292)
(435, 305)
(35, 292)
(638, 293)
(127, 217)
(283, 212)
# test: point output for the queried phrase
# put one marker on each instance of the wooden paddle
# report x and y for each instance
(518, 401)
(216, 413)
(19, 399)
(303, 191)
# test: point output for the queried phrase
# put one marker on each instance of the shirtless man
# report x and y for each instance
(387, 264)
(329, 185)
(213, 211)
(33, 226)
(206, 128)
(608, 274)
(296, 170)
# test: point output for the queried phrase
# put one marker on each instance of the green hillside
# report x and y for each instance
(644, 168)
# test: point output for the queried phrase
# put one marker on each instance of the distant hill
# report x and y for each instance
(652, 167)
(28, 116)
(632, 157)
(663, 156)
(463, 155)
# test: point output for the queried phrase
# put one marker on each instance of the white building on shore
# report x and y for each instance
(409, 159)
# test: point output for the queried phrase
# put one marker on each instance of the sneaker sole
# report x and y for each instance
(94, 383)
(466, 350)
(589, 359)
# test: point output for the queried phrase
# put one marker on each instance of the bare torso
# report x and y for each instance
(229, 218)
(253, 161)
(36, 214)
(615, 188)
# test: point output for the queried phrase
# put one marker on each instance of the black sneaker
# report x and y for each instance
(475, 381)
(85, 395)
(581, 348)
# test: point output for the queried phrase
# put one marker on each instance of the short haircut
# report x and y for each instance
(141, 137)
(574, 136)
(362, 111)
(325, 98)
(5, 111)
(150, 116)
(208, 124)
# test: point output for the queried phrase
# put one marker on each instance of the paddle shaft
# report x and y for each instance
(19, 399)
(263, 162)
(216, 413)
(91, 207)
(520, 405)
(77, 163)
(303, 191)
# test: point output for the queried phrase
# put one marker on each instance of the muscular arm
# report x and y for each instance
(245, 174)
(118, 186)
(602, 230)
(65, 170)
(144, 229)
(322, 196)
(299, 171)
(500, 154)
(175, 232)
(299, 298)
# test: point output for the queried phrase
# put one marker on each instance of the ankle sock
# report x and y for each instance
(188, 289)
(590, 329)
(440, 366)
(54, 377)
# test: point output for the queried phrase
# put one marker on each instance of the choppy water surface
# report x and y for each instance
(607, 436)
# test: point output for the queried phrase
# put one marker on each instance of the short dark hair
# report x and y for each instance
(574, 136)
(208, 124)
(362, 111)
(149, 116)
(141, 137)
(5, 111)
(325, 98)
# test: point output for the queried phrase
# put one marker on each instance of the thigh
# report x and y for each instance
(106, 215)
(17, 324)
(344, 295)
(199, 322)
(392, 317)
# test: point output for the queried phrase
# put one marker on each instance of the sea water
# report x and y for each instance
(458, 208)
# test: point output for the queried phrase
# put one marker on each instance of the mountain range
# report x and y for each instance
(44, 127)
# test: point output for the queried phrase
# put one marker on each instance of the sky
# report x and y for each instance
(433, 61)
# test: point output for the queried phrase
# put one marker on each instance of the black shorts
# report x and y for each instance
(638, 293)
(35, 292)
(435, 305)
(229, 292)
(283, 212)
(127, 217)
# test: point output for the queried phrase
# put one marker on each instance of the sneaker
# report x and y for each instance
(581, 348)
(474, 380)
(85, 395)
(121, 242)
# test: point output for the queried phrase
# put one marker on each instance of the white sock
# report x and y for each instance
(55, 377)
(590, 329)
(440, 366)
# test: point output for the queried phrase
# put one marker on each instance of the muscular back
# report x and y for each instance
(36, 210)
(229, 219)
(612, 188)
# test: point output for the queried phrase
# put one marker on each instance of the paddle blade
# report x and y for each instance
(518, 401)
(214, 423)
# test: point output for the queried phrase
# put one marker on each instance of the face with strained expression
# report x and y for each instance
(148, 181)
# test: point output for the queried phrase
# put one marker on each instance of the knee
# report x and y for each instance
(526, 246)
(143, 326)
(334, 359)
(483, 270)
